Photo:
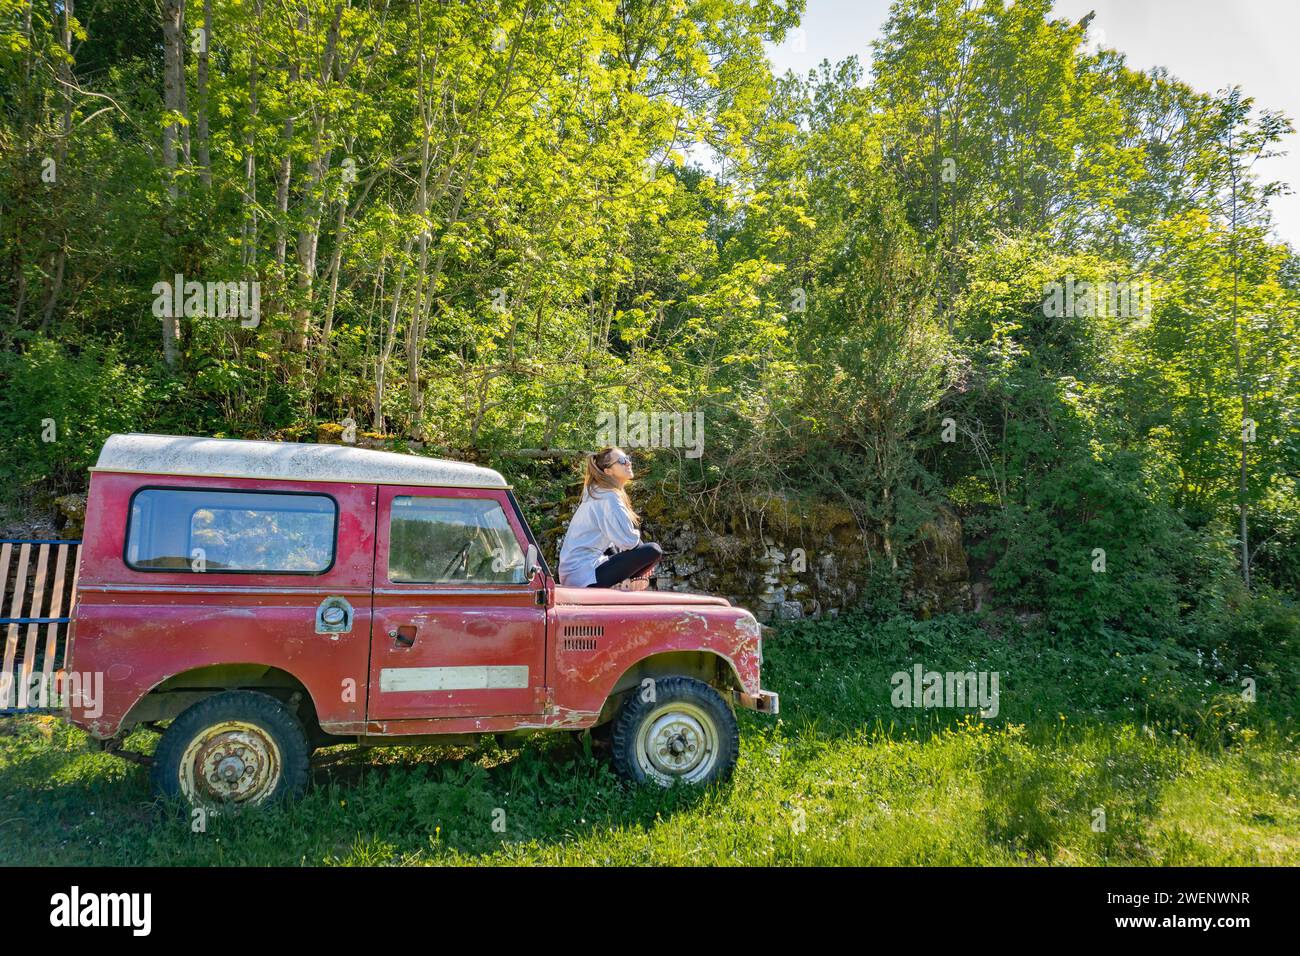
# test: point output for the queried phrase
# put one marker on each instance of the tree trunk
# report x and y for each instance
(248, 231)
(313, 203)
(173, 99)
(1243, 503)
(59, 257)
(205, 163)
(386, 348)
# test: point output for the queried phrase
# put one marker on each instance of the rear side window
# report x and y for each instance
(445, 540)
(207, 530)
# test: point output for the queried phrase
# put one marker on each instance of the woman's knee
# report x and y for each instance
(650, 554)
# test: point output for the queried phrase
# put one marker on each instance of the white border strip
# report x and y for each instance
(490, 677)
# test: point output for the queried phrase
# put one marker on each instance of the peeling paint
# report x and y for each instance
(748, 626)
(564, 718)
(691, 619)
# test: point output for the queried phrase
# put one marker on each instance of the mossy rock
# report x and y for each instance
(939, 554)
(729, 548)
(73, 510)
(329, 433)
(660, 509)
(790, 516)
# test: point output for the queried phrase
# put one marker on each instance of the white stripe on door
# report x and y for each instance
(491, 677)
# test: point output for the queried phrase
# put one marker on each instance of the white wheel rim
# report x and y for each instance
(231, 762)
(677, 741)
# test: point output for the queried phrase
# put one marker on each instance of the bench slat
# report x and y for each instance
(6, 679)
(33, 630)
(15, 610)
(52, 630)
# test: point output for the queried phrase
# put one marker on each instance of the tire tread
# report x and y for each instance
(625, 725)
(253, 706)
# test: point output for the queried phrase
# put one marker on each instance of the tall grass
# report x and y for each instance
(1079, 767)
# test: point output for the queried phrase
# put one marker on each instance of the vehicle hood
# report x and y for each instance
(608, 597)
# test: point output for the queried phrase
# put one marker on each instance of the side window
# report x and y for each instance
(182, 529)
(444, 540)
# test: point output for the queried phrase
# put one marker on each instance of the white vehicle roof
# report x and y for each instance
(284, 461)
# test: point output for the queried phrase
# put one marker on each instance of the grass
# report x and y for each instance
(1182, 772)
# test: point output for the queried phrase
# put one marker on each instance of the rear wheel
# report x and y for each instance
(235, 749)
(675, 728)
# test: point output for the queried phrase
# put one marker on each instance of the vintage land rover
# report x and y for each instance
(254, 601)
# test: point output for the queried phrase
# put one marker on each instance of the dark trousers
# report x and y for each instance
(627, 564)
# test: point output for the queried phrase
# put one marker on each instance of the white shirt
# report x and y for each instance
(601, 521)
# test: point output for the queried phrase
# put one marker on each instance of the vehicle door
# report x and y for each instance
(458, 627)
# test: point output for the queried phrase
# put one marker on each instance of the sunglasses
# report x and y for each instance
(620, 460)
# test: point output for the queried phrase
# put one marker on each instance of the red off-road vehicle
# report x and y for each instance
(269, 598)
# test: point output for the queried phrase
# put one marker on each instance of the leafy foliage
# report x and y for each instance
(475, 227)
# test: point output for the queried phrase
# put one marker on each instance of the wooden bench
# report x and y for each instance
(38, 584)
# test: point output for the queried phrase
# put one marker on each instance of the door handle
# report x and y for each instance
(404, 635)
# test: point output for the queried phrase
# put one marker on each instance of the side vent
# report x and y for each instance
(581, 637)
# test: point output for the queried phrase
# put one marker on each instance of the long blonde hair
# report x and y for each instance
(594, 476)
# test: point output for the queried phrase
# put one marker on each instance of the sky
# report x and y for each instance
(1208, 44)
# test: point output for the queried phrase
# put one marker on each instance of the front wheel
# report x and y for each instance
(675, 728)
(235, 749)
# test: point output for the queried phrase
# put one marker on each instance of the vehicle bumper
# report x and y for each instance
(765, 701)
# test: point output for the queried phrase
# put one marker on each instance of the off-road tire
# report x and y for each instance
(683, 710)
(248, 733)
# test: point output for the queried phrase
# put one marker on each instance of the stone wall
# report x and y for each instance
(786, 561)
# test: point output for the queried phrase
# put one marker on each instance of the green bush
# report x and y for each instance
(57, 405)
